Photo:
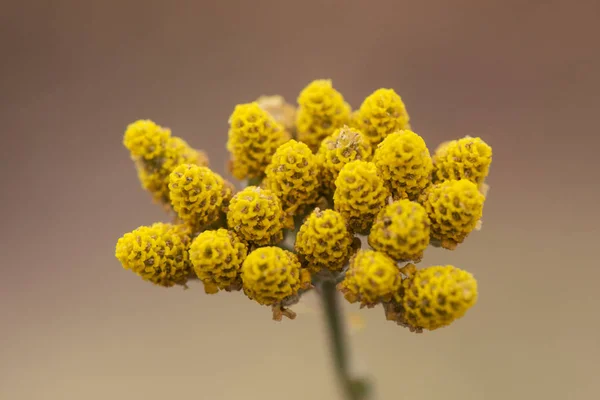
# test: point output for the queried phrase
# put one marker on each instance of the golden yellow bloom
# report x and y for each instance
(467, 158)
(255, 214)
(372, 277)
(405, 164)
(156, 153)
(344, 145)
(145, 139)
(270, 275)
(217, 257)
(322, 110)
(157, 253)
(382, 113)
(401, 230)
(436, 296)
(254, 135)
(454, 208)
(196, 194)
(323, 242)
(293, 176)
(359, 195)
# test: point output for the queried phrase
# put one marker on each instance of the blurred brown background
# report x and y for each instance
(75, 325)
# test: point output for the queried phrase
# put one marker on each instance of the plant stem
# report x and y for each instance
(354, 389)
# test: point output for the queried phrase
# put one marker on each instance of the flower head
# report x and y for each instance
(371, 278)
(293, 176)
(145, 139)
(467, 158)
(323, 241)
(254, 135)
(454, 208)
(322, 110)
(405, 164)
(196, 194)
(217, 257)
(255, 214)
(359, 195)
(344, 145)
(270, 275)
(157, 253)
(401, 230)
(382, 113)
(436, 296)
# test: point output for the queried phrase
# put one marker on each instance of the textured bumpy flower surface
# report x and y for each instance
(359, 195)
(343, 146)
(217, 257)
(323, 241)
(270, 275)
(157, 253)
(321, 110)
(404, 162)
(381, 113)
(401, 230)
(320, 181)
(467, 158)
(454, 208)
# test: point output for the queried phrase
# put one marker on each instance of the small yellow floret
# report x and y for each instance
(270, 275)
(323, 241)
(344, 145)
(372, 277)
(145, 139)
(401, 230)
(283, 112)
(293, 176)
(157, 253)
(254, 135)
(217, 257)
(359, 195)
(454, 208)
(255, 214)
(382, 113)
(467, 158)
(321, 111)
(196, 194)
(436, 296)
(405, 164)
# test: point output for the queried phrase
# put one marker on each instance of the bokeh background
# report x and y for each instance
(523, 75)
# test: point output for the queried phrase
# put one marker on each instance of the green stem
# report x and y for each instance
(354, 389)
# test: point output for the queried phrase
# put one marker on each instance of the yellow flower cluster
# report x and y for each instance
(344, 145)
(321, 110)
(254, 135)
(320, 181)
(157, 253)
(156, 153)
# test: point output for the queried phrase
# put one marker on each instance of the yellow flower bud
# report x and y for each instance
(372, 277)
(217, 257)
(321, 111)
(293, 176)
(454, 208)
(359, 195)
(436, 296)
(255, 214)
(270, 275)
(344, 145)
(157, 253)
(401, 230)
(323, 241)
(382, 113)
(197, 194)
(254, 135)
(467, 158)
(405, 164)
